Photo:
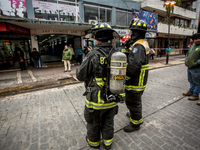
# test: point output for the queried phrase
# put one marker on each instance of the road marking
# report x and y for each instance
(32, 76)
(19, 77)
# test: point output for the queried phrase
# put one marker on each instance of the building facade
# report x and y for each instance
(48, 25)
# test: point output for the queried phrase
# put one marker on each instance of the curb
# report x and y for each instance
(53, 84)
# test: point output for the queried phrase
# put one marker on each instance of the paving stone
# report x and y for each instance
(44, 146)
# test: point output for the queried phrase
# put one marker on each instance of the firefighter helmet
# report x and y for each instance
(138, 24)
(125, 38)
(103, 32)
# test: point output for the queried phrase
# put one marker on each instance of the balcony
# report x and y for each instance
(156, 6)
(163, 28)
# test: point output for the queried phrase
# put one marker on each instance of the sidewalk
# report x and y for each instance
(16, 80)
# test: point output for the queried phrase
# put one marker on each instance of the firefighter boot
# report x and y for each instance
(193, 98)
(189, 93)
(107, 147)
(96, 147)
(131, 127)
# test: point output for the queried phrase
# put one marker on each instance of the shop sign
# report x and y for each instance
(14, 8)
(57, 31)
(51, 10)
(2, 26)
(17, 29)
(122, 32)
(172, 36)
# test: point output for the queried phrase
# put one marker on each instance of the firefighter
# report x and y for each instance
(99, 111)
(123, 48)
(136, 73)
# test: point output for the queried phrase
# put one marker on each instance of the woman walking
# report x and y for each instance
(67, 56)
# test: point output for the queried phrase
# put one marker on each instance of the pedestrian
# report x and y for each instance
(67, 56)
(35, 56)
(80, 53)
(99, 109)
(161, 51)
(152, 52)
(136, 73)
(73, 54)
(19, 54)
(193, 63)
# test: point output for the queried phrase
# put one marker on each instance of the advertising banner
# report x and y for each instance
(13, 8)
(51, 11)
(150, 18)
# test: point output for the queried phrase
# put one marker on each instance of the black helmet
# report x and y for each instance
(138, 24)
(103, 32)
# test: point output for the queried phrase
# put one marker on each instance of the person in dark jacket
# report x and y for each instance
(99, 111)
(19, 56)
(193, 63)
(35, 56)
(136, 73)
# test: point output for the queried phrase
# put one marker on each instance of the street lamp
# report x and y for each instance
(170, 3)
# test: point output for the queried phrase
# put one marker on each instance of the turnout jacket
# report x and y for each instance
(138, 65)
(93, 72)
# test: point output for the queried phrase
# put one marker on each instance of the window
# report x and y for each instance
(182, 22)
(176, 21)
(95, 14)
(121, 18)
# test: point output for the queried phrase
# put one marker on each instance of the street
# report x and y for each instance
(53, 118)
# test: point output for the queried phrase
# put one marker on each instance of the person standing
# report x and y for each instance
(67, 56)
(20, 58)
(99, 110)
(73, 54)
(35, 56)
(136, 73)
(193, 63)
(80, 53)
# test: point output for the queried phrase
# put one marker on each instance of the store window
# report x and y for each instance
(55, 10)
(95, 14)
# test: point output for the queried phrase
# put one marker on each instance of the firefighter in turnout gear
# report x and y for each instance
(137, 51)
(99, 111)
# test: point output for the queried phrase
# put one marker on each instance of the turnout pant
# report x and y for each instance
(100, 122)
(134, 104)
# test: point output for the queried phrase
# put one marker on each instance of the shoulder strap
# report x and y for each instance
(144, 43)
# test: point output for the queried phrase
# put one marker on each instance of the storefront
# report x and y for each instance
(12, 36)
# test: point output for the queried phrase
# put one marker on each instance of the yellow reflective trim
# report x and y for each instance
(136, 122)
(96, 106)
(139, 24)
(95, 144)
(102, 26)
(144, 25)
(130, 49)
(117, 61)
(108, 142)
(134, 23)
(128, 78)
(100, 101)
(108, 26)
(135, 88)
(96, 26)
(123, 94)
(99, 81)
(141, 78)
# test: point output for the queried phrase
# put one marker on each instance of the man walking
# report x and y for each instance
(193, 63)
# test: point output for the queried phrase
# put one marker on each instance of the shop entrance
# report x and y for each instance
(51, 47)
(8, 53)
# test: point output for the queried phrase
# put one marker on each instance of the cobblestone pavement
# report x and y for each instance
(53, 118)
